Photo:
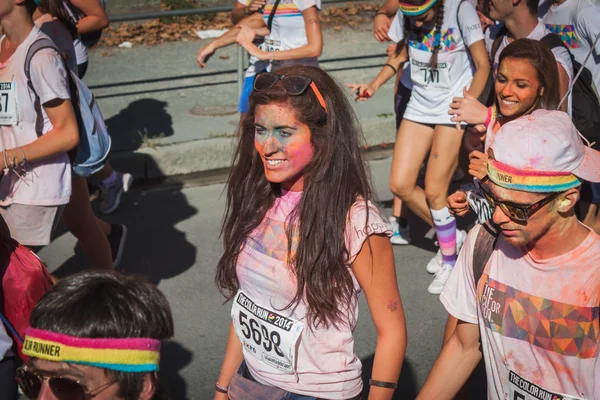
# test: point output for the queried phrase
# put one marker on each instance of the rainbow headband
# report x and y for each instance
(125, 355)
(412, 11)
(530, 181)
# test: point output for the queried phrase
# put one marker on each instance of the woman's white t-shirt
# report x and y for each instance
(434, 88)
(48, 183)
(396, 33)
(288, 30)
(80, 50)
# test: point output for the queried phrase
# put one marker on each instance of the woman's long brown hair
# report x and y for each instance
(333, 181)
(542, 60)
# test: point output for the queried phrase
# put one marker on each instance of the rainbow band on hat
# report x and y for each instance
(412, 11)
(530, 181)
(125, 355)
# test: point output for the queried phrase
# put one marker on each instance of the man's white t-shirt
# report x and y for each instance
(538, 319)
(433, 89)
(577, 22)
(49, 181)
(560, 54)
(396, 33)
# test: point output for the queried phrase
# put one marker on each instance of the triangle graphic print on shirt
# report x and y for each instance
(566, 329)
(427, 42)
(566, 33)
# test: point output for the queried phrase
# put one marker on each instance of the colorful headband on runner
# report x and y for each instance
(530, 181)
(412, 11)
(125, 355)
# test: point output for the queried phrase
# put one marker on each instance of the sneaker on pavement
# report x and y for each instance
(116, 239)
(439, 280)
(111, 194)
(401, 235)
(435, 264)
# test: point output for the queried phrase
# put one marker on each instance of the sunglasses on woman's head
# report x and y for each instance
(516, 212)
(62, 388)
(293, 85)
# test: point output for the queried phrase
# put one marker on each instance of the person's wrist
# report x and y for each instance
(378, 13)
(247, 10)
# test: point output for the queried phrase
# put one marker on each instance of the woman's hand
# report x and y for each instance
(474, 138)
(362, 91)
(478, 164)
(381, 27)
(254, 6)
(458, 204)
(204, 54)
(245, 39)
(467, 109)
(391, 50)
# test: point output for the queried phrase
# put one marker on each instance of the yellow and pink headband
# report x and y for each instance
(530, 181)
(411, 10)
(125, 355)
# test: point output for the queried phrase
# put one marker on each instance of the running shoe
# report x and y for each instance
(439, 280)
(116, 239)
(111, 194)
(401, 235)
(435, 264)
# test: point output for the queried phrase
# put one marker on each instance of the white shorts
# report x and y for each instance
(31, 225)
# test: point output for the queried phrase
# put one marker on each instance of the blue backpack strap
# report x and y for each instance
(11, 328)
(41, 44)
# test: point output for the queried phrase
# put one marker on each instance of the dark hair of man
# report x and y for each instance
(437, 32)
(542, 60)
(333, 181)
(29, 5)
(532, 6)
(58, 10)
(106, 304)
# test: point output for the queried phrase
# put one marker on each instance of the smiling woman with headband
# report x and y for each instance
(96, 335)
(301, 241)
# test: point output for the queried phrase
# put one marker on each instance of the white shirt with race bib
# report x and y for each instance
(577, 22)
(538, 319)
(49, 183)
(433, 89)
(279, 347)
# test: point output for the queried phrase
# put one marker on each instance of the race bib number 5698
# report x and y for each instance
(265, 334)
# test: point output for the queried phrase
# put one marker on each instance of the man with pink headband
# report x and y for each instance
(96, 335)
(534, 312)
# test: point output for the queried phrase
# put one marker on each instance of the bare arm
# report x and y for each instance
(63, 137)
(231, 362)
(254, 22)
(365, 91)
(95, 19)
(382, 20)
(376, 273)
(312, 49)
(456, 362)
(241, 12)
(482, 65)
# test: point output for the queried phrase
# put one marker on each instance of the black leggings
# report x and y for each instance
(8, 384)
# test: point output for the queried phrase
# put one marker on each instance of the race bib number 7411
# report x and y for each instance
(265, 334)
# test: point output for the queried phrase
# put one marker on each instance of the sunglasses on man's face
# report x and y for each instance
(516, 212)
(293, 85)
(62, 388)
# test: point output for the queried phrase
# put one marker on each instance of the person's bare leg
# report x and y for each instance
(80, 220)
(412, 144)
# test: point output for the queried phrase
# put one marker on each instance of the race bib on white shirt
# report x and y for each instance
(266, 335)
(521, 389)
(8, 103)
(427, 77)
(271, 45)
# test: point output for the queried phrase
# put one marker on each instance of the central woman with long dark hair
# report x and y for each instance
(301, 241)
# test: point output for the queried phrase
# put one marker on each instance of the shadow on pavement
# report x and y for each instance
(173, 358)
(137, 125)
(154, 248)
(407, 386)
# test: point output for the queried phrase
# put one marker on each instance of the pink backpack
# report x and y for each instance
(25, 280)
